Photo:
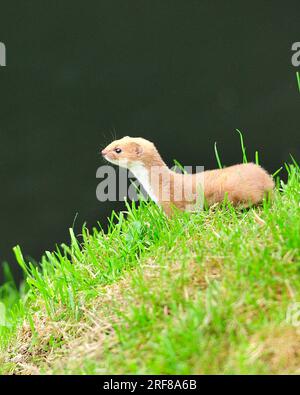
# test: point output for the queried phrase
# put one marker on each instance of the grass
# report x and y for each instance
(200, 293)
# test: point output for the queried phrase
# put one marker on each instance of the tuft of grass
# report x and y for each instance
(211, 292)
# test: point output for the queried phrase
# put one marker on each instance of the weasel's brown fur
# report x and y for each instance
(242, 184)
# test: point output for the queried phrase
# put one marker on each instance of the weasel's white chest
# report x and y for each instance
(143, 176)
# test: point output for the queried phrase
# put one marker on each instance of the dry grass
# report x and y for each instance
(277, 347)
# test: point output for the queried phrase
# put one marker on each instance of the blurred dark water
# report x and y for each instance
(181, 73)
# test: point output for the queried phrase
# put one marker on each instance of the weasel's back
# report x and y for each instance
(243, 184)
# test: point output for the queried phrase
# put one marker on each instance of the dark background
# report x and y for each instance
(181, 73)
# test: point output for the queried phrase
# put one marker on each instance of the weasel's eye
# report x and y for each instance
(118, 150)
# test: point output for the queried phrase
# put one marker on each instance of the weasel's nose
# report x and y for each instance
(103, 152)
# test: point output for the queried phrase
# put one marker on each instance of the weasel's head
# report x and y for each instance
(130, 151)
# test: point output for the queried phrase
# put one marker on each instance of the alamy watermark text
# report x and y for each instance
(2, 54)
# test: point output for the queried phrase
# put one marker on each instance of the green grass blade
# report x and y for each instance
(277, 171)
(179, 166)
(218, 156)
(295, 162)
(243, 146)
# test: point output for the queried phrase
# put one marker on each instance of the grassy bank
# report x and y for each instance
(212, 292)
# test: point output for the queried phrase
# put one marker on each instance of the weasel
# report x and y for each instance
(242, 184)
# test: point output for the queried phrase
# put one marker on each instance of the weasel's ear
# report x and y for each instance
(139, 149)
